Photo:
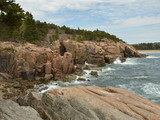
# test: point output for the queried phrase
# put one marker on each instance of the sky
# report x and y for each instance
(134, 21)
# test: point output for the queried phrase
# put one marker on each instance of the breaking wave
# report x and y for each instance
(152, 57)
(117, 61)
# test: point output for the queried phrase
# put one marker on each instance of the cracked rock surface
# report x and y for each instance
(92, 103)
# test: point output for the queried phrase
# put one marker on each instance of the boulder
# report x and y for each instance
(10, 110)
(69, 78)
(92, 103)
(81, 79)
(92, 67)
(94, 73)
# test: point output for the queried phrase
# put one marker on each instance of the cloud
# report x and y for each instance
(135, 21)
(114, 16)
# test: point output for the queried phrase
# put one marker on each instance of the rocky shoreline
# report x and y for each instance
(80, 103)
(24, 65)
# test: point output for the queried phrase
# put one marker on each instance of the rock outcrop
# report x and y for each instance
(99, 53)
(10, 110)
(30, 61)
(92, 103)
(24, 65)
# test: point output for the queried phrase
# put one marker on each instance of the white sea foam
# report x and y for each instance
(87, 63)
(131, 86)
(45, 87)
(152, 57)
(130, 61)
(117, 61)
(152, 89)
(140, 77)
(107, 69)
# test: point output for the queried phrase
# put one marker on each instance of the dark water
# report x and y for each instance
(139, 75)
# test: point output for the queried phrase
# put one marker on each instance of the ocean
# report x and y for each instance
(138, 75)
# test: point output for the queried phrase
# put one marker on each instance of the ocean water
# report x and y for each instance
(139, 75)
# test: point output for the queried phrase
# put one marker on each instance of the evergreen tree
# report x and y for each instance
(30, 30)
(11, 13)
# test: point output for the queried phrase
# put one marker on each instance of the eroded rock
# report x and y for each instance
(93, 103)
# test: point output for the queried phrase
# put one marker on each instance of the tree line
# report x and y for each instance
(147, 46)
(18, 25)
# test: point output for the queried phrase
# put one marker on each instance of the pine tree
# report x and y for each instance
(30, 30)
(11, 13)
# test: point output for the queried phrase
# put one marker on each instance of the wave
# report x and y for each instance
(129, 61)
(45, 87)
(152, 89)
(130, 86)
(140, 77)
(117, 61)
(152, 57)
(107, 69)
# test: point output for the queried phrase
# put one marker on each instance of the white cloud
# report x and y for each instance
(135, 21)
(115, 15)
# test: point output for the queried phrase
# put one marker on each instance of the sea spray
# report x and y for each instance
(117, 61)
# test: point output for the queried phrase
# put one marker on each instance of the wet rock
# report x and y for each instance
(81, 79)
(92, 67)
(94, 73)
(69, 78)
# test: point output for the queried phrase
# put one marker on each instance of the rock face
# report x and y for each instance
(29, 61)
(10, 110)
(92, 103)
(99, 53)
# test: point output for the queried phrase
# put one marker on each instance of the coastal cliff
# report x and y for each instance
(30, 61)
(24, 65)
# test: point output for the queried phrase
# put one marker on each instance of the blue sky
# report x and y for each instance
(134, 21)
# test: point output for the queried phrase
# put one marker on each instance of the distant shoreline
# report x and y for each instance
(149, 51)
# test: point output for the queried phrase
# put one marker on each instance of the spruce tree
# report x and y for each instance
(30, 31)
